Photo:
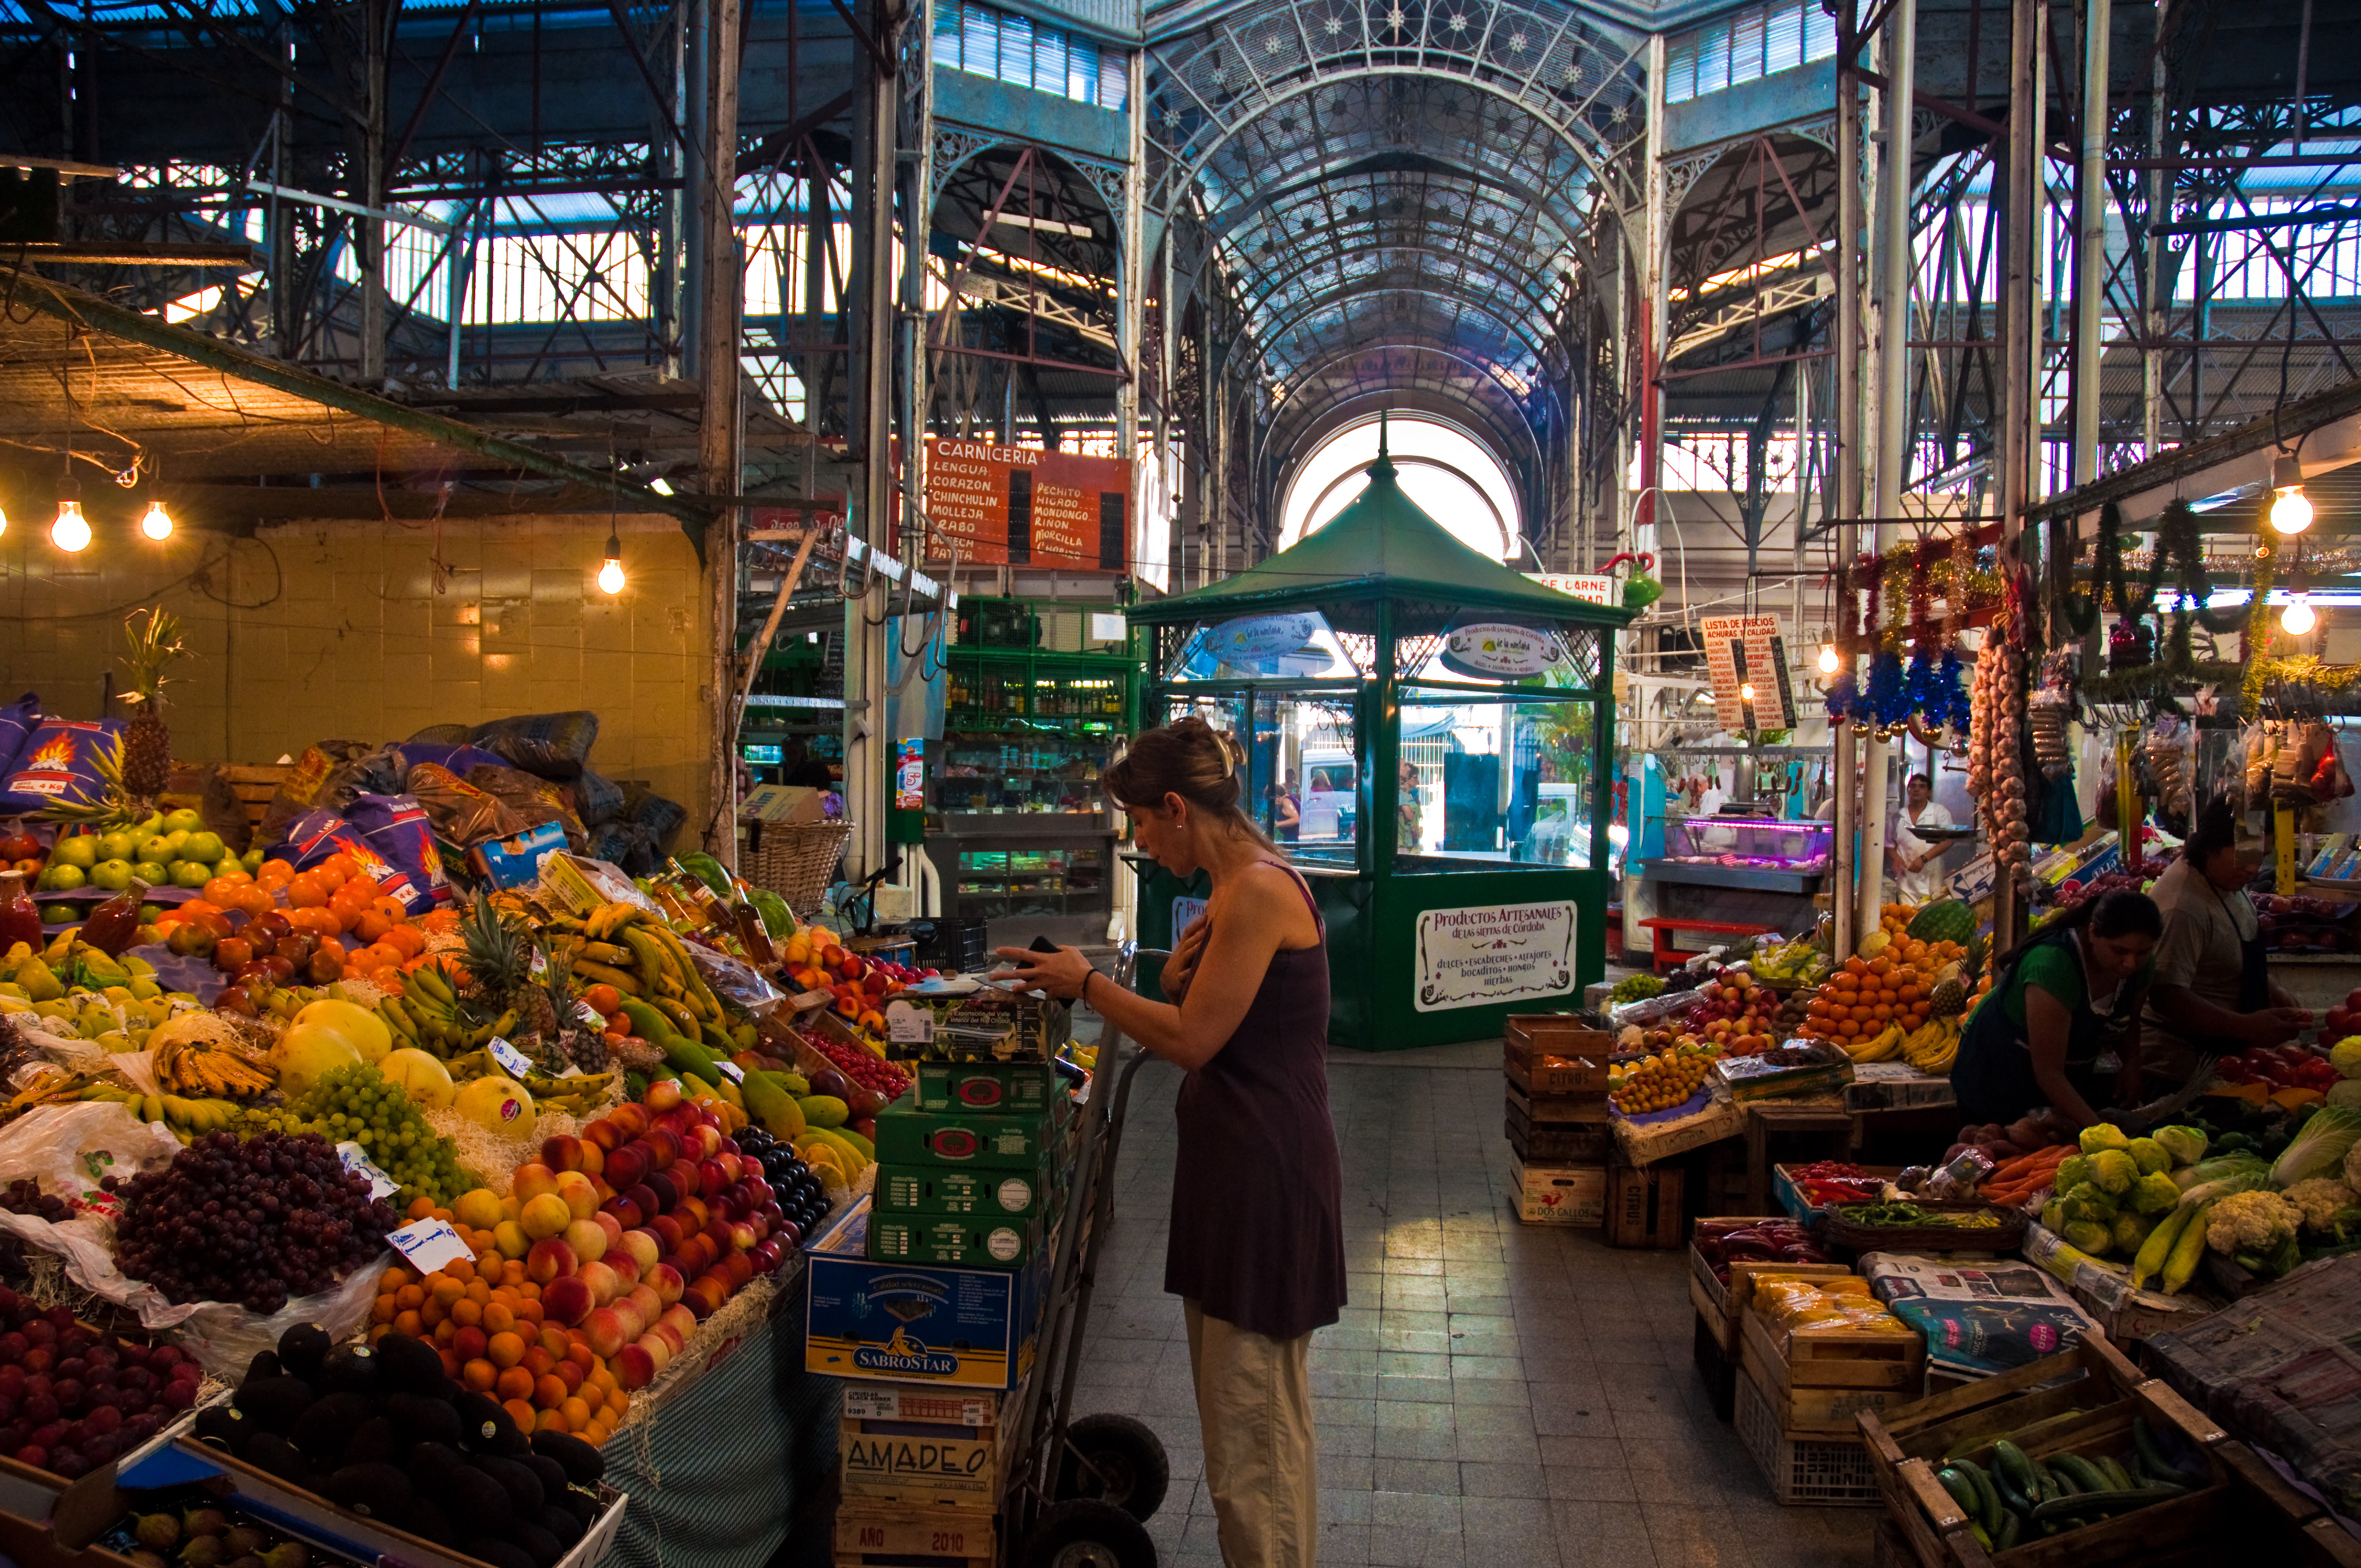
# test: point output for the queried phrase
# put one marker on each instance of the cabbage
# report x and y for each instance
(2345, 1091)
(2115, 1170)
(2218, 1178)
(2152, 1194)
(2130, 1230)
(2346, 1055)
(2149, 1155)
(2320, 1145)
(2185, 1144)
(2102, 1135)
(2090, 1201)
(2072, 1171)
(2089, 1235)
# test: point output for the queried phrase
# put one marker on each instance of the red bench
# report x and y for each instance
(1666, 956)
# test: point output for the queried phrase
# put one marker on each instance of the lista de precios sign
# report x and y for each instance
(1022, 506)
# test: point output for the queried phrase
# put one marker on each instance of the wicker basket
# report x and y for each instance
(794, 859)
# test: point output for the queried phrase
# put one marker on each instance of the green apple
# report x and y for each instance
(188, 820)
(155, 823)
(155, 873)
(62, 876)
(61, 915)
(150, 913)
(191, 873)
(157, 848)
(119, 846)
(251, 860)
(113, 874)
(79, 850)
(205, 847)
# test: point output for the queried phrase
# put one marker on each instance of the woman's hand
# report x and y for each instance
(1062, 974)
(1182, 967)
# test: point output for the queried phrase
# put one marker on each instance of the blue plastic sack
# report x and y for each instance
(388, 836)
(18, 721)
(58, 763)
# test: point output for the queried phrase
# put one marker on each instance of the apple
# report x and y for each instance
(549, 1260)
(631, 1119)
(588, 1238)
(579, 1194)
(662, 1095)
(602, 1330)
(767, 1257)
(567, 1300)
(626, 1213)
(742, 1235)
(605, 1285)
(627, 1164)
(634, 1368)
(763, 1229)
(531, 1181)
(790, 1234)
(605, 1134)
(666, 1281)
(641, 1299)
(644, 1246)
(758, 1191)
(562, 1151)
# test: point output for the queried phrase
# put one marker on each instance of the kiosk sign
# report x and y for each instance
(1493, 953)
(1487, 650)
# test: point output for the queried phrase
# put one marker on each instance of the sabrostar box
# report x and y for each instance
(908, 1323)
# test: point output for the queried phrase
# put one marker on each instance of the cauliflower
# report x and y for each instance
(2152, 1194)
(2102, 1135)
(2252, 1225)
(2344, 1056)
(2187, 1146)
(2149, 1155)
(2318, 1202)
(2113, 1169)
(2071, 1172)
(2130, 1230)
(2090, 1202)
(2090, 1237)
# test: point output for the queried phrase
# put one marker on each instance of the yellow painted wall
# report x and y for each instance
(353, 631)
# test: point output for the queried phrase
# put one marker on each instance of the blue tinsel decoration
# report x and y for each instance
(1953, 681)
(1920, 690)
(1841, 698)
(1889, 700)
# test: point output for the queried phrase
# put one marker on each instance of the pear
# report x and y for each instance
(157, 1532)
(203, 1551)
(286, 1554)
(245, 1541)
(205, 1521)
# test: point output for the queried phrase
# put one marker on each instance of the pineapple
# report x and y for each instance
(499, 954)
(1951, 998)
(149, 649)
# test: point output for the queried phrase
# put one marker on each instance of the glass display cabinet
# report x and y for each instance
(1737, 851)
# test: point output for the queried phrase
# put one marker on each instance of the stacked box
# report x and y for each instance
(988, 1024)
(920, 1475)
(966, 1189)
(1556, 1118)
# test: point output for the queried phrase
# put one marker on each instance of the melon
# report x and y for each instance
(497, 1105)
(426, 1080)
(306, 1052)
(364, 1030)
(1944, 920)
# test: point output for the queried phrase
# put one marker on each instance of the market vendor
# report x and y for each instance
(1257, 1250)
(2213, 993)
(2064, 997)
(1917, 862)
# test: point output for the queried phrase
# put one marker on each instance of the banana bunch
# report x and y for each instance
(574, 1095)
(639, 956)
(1931, 1046)
(1883, 1045)
(427, 1015)
(188, 1118)
(208, 1070)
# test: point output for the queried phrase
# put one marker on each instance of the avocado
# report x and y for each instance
(303, 1348)
(564, 1526)
(475, 1501)
(428, 1462)
(274, 1455)
(582, 1505)
(275, 1403)
(407, 1365)
(351, 1369)
(521, 1484)
(322, 1430)
(224, 1425)
(485, 1428)
(426, 1519)
(498, 1553)
(263, 1365)
(373, 1491)
(583, 1464)
(422, 1419)
(536, 1542)
(374, 1441)
(547, 1471)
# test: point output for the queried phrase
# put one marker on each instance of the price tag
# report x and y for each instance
(730, 1070)
(589, 1016)
(429, 1245)
(357, 1158)
(540, 964)
(511, 1059)
(908, 1025)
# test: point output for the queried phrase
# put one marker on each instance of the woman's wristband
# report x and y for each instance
(1088, 976)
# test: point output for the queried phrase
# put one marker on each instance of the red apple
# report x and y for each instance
(758, 1191)
(562, 1151)
(549, 1259)
(626, 1212)
(634, 1368)
(666, 1281)
(568, 1300)
(741, 1235)
(605, 1134)
(767, 1257)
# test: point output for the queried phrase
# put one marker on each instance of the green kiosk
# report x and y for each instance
(1439, 728)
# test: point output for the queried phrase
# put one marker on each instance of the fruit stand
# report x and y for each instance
(1446, 724)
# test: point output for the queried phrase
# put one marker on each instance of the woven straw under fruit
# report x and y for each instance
(149, 648)
(794, 859)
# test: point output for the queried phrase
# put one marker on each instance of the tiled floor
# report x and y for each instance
(1498, 1395)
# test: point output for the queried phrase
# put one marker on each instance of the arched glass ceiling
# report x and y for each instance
(1453, 477)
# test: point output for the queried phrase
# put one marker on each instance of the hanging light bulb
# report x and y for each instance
(610, 570)
(71, 532)
(1828, 660)
(4, 520)
(2297, 617)
(1746, 691)
(2290, 508)
(157, 523)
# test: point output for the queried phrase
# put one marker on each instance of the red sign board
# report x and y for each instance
(1022, 506)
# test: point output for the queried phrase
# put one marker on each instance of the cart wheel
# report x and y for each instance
(1125, 1465)
(1083, 1532)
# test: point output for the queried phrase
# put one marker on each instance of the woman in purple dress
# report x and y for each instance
(1257, 1252)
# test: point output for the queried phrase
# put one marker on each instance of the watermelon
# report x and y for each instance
(1944, 920)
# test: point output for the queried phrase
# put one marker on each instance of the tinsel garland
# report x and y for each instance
(1889, 696)
(1873, 578)
(1958, 589)
(1842, 695)
(1952, 688)
(1922, 594)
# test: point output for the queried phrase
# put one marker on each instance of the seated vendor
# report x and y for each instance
(2061, 1000)
(2214, 992)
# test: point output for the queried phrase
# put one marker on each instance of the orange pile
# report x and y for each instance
(1865, 995)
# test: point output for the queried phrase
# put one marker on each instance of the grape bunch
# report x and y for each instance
(354, 1104)
(252, 1222)
(26, 1196)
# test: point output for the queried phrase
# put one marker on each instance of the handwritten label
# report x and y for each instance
(1492, 953)
(512, 1060)
(429, 1245)
(357, 1158)
(730, 1070)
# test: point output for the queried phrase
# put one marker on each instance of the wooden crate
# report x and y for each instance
(1555, 1061)
(255, 784)
(1725, 1302)
(1828, 1359)
(1560, 1195)
(1820, 1410)
(1579, 1141)
(867, 1532)
(1555, 1033)
(924, 1463)
(1559, 1110)
(1643, 1207)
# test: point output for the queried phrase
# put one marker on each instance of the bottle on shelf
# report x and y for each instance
(20, 917)
(113, 925)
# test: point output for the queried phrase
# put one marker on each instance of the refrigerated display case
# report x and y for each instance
(1767, 854)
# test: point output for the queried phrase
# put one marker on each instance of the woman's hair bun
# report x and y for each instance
(1189, 758)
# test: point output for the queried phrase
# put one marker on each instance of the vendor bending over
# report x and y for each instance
(2213, 993)
(2063, 998)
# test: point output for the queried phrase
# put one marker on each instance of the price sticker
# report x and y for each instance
(540, 964)
(429, 1245)
(589, 1016)
(357, 1158)
(730, 1070)
(512, 1060)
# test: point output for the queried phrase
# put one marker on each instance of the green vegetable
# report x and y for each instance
(2059, 1481)
(2149, 1155)
(1963, 1491)
(2152, 1194)
(2319, 1146)
(2071, 1172)
(2158, 1248)
(2053, 1215)
(2185, 1144)
(2087, 1477)
(2011, 1461)
(2100, 1137)
(2344, 1056)
(2090, 1236)
(2131, 1230)
(2115, 1170)
(2117, 1476)
(2188, 1247)
(2090, 1201)
(2150, 1455)
(2101, 1501)
(1988, 1495)
(2218, 1178)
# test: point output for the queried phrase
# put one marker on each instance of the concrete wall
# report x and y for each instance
(337, 630)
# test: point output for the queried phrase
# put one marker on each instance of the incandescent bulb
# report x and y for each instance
(611, 575)
(2297, 619)
(157, 523)
(3, 523)
(1827, 658)
(71, 532)
(2290, 512)
(1746, 691)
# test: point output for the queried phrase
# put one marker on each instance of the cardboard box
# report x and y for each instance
(987, 1194)
(908, 1137)
(1563, 1195)
(868, 1531)
(1022, 1089)
(782, 803)
(919, 1402)
(959, 1241)
(916, 1323)
(918, 1462)
(984, 1024)
(512, 863)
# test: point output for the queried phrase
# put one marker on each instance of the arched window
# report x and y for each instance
(1453, 477)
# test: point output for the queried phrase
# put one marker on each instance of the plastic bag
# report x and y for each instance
(388, 836)
(739, 984)
(627, 844)
(460, 812)
(596, 799)
(59, 763)
(555, 745)
(443, 735)
(17, 722)
(458, 758)
(535, 801)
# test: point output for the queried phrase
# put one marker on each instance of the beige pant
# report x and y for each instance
(1254, 1405)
